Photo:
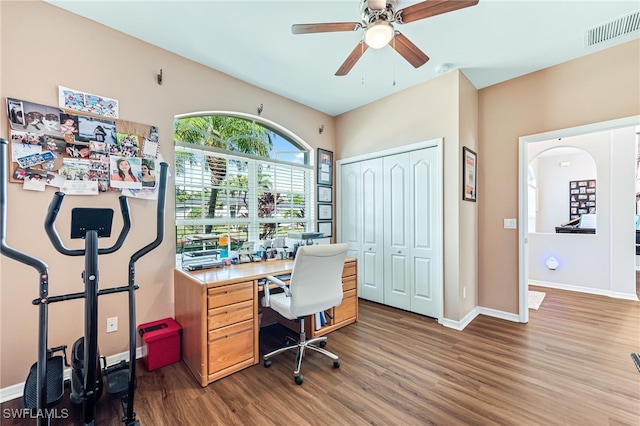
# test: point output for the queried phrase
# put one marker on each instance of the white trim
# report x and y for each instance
(523, 141)
(479, 310)
(16, 391)
(391, 151)
(589, 290)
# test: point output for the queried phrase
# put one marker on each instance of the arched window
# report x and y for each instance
(239, 179)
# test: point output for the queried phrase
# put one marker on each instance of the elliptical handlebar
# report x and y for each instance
(10, 252)
(52, 233)
(162, 190)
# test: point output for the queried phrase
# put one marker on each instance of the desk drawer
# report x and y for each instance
(230, 345)
(228, 294)
(347, 309)
(349, 283)
(229, 314)
(349, 269)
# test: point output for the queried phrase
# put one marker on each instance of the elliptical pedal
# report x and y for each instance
(55, 383)
(118, 379)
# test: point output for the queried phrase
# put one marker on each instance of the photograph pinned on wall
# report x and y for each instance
(55, 144)
(54, 179)
(27, 138)
(80, 187)
(34, 180)
(127, 145)
(99, 169)
(15, 112)
(87, 102)
(69, 127)
(148, 175)
(149, 148)
(19, 150)
(98, 150)
(469, 174)
(77, 150)
(125, 172)
(74, 169)
(35, 118)
(96, 129)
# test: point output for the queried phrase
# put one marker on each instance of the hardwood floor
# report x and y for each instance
(570, 365)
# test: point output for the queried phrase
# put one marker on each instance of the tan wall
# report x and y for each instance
(43, 47)
(468, 128)
(427, 111)
(599, 87)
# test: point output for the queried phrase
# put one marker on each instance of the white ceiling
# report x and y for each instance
(491, 42)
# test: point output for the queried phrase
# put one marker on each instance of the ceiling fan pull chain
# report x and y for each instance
(361, 66)
(394, 61)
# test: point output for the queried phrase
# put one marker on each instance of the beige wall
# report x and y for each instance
(599, 87)
(428, 111)
(468, 128)
(43, 47)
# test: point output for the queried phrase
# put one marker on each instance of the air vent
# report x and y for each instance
(611, 29)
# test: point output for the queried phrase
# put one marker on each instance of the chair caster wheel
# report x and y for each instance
(323, 343)
(299, 379)
(336, 364)
(267, 363)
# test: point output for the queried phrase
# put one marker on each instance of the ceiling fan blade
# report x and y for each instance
(430, 8)
(352, 59)
(408, 50)
(325, 28)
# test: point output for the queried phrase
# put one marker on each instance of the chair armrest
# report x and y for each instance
(279, 283)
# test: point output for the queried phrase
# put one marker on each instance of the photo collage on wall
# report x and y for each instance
(582, 198)
(79, 153)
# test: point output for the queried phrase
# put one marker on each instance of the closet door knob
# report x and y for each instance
(399, 251)
(370, 248)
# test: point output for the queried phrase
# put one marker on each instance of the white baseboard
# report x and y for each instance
(479, 310)
(589, 290)
(15, 391)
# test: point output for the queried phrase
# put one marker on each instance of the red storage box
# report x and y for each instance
(160, 343)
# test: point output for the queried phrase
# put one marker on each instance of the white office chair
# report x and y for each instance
(315, 286)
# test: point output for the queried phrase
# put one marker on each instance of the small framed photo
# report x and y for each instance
(325, 194)
(469, 174)
(325, 167)
(326, 228)
(325, 211)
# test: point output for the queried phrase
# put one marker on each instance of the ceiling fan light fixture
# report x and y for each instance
(378, 34)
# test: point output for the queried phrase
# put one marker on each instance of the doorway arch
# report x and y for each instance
(617, 280)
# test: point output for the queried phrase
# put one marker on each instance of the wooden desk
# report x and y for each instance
(218, 312)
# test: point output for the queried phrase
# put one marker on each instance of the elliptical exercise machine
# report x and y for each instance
(44, 387)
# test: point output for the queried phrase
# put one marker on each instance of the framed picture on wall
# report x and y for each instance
(325, 194)
(326, 228)
(325, 211)
(325, 167)
(469, 174)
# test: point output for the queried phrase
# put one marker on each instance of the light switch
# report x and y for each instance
(509, 224)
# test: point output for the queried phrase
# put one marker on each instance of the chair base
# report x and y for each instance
(302, 345)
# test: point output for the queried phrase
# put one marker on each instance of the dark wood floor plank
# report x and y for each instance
(570, 365)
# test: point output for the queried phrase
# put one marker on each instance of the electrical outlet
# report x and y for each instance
(112, 324)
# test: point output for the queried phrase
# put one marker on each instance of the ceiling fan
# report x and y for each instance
(378, 17)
